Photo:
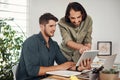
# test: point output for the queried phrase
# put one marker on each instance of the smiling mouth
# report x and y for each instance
(52, 32)
(76, 24)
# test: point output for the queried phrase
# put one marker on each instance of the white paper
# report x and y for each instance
(65, 73)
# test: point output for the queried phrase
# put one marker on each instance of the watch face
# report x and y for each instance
(77, 68)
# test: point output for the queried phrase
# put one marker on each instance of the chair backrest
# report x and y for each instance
(14, 68)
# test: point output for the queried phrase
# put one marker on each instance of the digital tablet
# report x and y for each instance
(91, 54)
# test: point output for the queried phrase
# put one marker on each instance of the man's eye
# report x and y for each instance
(72, 18)
(51, 25)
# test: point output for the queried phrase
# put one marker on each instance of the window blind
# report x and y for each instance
(16, 9)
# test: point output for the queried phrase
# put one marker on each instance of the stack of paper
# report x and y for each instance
(65, 73)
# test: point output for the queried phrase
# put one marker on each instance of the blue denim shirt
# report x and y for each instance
(35, 54)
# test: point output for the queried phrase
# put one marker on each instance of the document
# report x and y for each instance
(65, 73)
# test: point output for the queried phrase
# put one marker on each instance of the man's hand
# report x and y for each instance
(67, 65)
(83, 48)
(85, 64)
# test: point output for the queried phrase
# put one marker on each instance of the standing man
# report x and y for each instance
(76, 30)
(39, 53)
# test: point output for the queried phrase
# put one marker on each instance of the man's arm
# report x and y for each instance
(64, 66)
(74, 45)
(86, 64)
(77, 46)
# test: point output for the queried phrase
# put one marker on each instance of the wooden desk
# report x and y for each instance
(54, 77)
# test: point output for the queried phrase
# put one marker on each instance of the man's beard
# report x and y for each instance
(76, 25)
(47, 34)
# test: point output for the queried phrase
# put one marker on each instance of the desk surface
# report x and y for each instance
(53, 77)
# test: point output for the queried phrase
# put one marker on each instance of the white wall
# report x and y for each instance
(105, 15)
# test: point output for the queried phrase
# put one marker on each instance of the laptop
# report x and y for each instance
(108, 64)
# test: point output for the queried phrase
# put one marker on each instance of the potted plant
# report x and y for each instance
(110, 74)
(10, 46)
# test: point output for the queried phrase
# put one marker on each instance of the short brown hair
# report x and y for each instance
(46, 17)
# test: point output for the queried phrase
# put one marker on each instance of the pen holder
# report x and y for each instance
(109, 75)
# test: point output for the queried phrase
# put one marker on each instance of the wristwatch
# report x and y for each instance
(77, 68)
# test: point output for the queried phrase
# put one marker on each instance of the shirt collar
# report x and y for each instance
(42, 38)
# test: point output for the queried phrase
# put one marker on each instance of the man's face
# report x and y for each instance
(75, 17)
(49, 28)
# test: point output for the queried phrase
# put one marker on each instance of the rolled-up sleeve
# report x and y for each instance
(88, 37)
(65, 33)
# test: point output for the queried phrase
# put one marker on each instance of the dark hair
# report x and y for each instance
(44, 19)
(77, 7)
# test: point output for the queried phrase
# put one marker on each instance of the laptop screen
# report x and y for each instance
(108, 64)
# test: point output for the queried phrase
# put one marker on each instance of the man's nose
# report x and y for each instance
(54, 28)
(76, 20)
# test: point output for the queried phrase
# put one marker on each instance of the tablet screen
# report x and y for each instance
(91, 54)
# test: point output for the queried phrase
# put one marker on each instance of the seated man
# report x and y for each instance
(39, 53)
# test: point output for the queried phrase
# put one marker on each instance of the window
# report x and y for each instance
(16, 9)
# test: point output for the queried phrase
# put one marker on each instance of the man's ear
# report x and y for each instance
(41, 25)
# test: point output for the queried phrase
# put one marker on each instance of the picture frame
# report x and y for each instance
(105, 48)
